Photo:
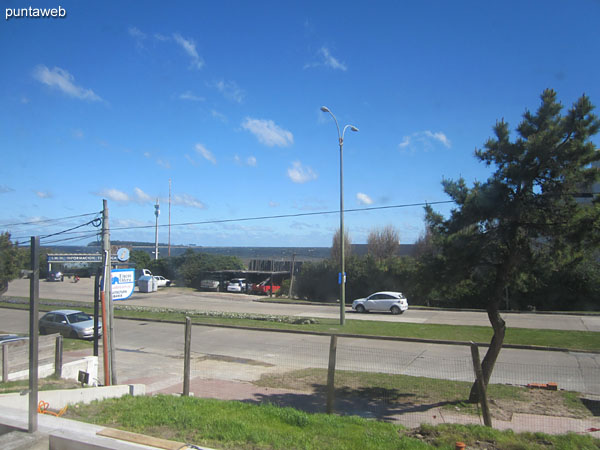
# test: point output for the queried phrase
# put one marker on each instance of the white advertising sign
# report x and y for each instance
(122, 283)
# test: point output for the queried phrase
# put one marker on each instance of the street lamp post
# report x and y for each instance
(342, 275)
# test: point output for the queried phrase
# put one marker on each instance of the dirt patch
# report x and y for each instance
(431, 436)
(540, 401)
(393, 396)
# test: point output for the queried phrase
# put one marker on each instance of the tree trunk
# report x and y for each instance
(487, 365)
(498, 324)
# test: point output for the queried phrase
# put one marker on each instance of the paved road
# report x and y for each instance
(207, 301)
(151, 353)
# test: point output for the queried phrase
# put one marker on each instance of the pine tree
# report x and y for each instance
(527, 204)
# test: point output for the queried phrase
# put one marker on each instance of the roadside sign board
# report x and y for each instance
(78, 257)
(122, 283)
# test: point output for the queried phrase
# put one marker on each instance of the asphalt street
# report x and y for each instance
(182, 298)
(152, 353)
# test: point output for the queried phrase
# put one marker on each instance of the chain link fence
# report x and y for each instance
(394, 380)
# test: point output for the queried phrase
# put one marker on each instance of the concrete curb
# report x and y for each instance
(58, 399)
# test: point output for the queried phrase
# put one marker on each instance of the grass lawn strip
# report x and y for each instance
(237, 425)
(567, 339)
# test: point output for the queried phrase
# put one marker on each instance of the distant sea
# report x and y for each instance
(244, 253)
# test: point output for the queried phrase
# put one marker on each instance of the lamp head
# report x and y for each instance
(353, 128)
(325, 109)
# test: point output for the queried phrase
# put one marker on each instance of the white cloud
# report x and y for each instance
(147, 155)
(141, 196)
(187, 200)
(64, 81)
(206, 153)
(268, 133)
(189, 46)
(161, 37)
(78, 134)
(138, 35)
(249, 161)
(217, 115)
(273, 204)
(300, 174)
(189, 95)
(164, 164)
(115, 195)
(44, 194)
(328, 60)
(191, 160)
(128, 223)
(4, 189)
(364, 199)
(230, 90)
(424, 140)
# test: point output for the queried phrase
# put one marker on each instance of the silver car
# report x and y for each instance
(70, 323)
(394, 302)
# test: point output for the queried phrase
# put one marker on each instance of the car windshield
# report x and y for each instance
(78, 317)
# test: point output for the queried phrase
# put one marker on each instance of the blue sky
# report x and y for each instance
(223, 99)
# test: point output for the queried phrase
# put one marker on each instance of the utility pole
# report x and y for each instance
(107, 288)
(169, 251)
(156, 213)
(34, 291)
(292, 275)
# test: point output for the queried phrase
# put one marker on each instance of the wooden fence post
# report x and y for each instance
(331, 374)
(4, 363)
(485, 409)
(187, 357)
(58, 356)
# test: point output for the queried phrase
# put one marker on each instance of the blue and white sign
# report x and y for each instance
(123, 254)
(122, 283)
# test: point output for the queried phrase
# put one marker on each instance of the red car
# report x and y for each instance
(263, 288)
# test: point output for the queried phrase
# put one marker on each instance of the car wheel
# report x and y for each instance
(395, 310)
(42, 330)
(360, 309)
(73, 335)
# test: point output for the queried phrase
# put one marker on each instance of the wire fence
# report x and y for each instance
(406, 383)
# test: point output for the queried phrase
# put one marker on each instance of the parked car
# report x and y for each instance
(209, 285)
(394, 302)
(264, 287)
(237, 285)
(12, 338)
(55, 276)
(162, 281)
(70, 323)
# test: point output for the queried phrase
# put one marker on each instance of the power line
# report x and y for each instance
(73, 238)
(37, 222)
(284, 216)
(95, 222)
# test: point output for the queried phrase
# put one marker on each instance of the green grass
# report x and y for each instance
(236, 425)
(572, 340)
(44, 384)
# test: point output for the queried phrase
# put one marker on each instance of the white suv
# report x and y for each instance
(394, 302)
(237, 285)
